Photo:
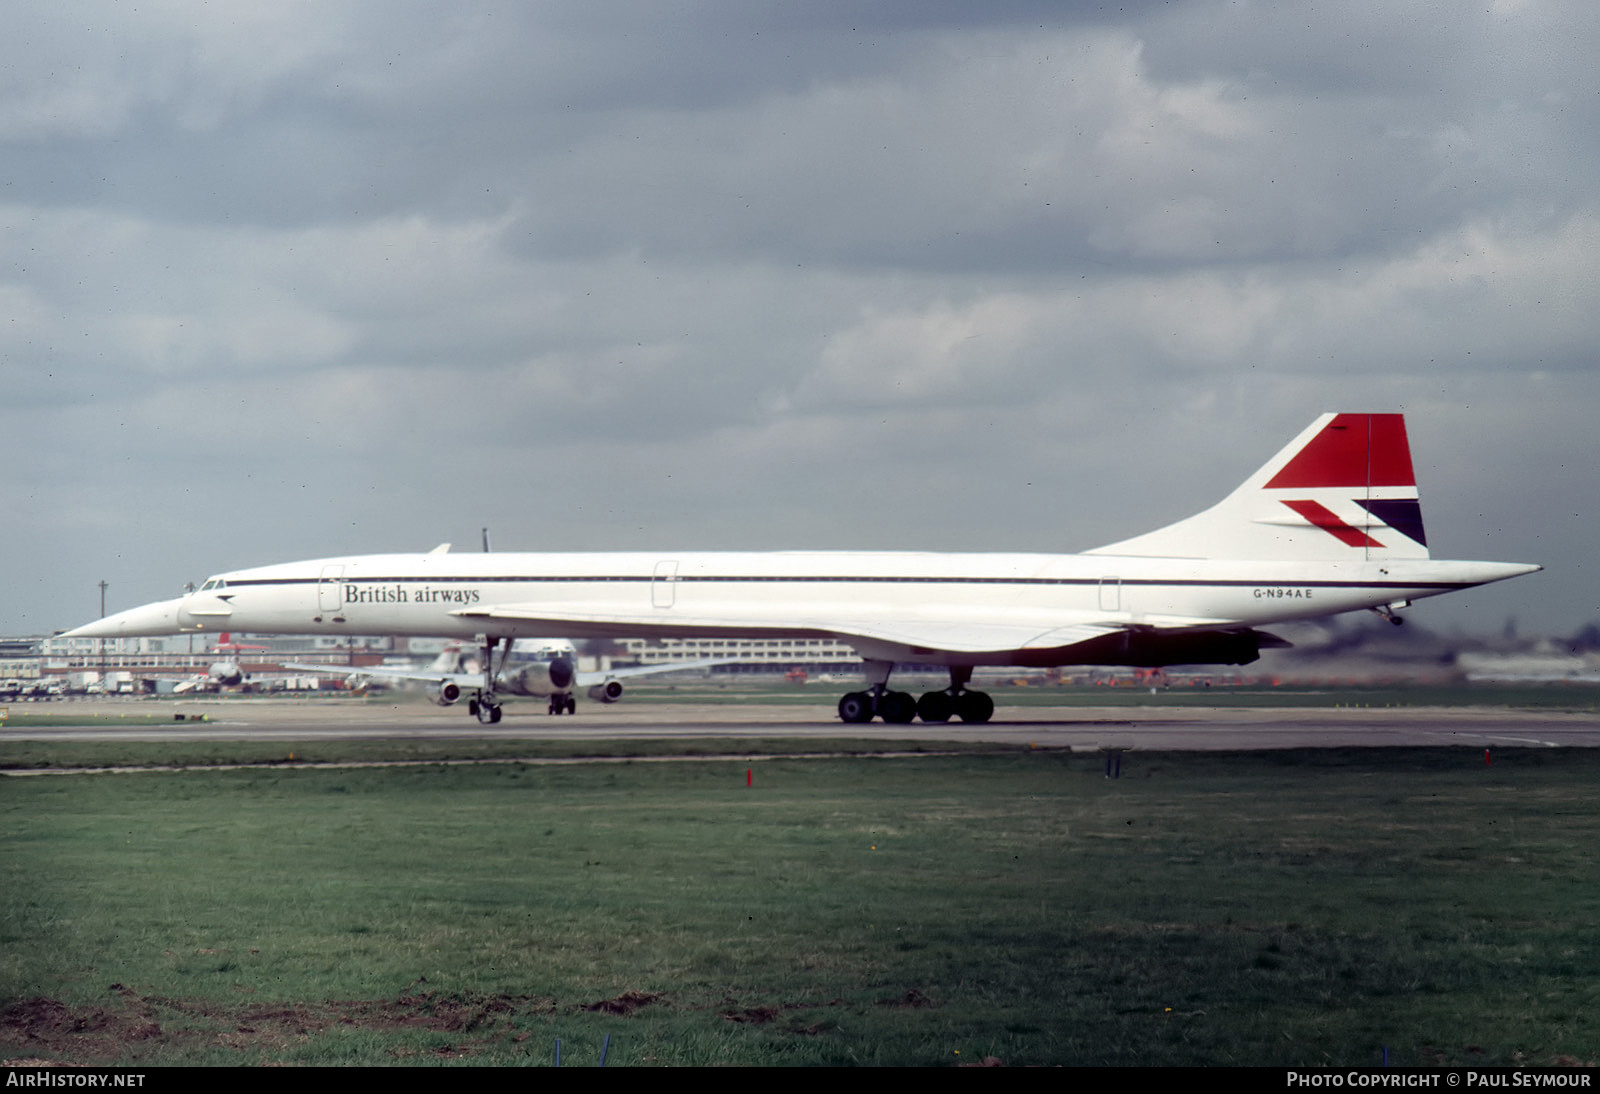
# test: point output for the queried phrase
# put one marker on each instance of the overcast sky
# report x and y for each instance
(287, 280)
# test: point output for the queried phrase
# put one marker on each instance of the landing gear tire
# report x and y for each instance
(897, 707)
(936, 706)
(974, 706)
(856, 707)
(488, 713)
(572, 705)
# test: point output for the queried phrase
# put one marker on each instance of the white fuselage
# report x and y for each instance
(790, 594)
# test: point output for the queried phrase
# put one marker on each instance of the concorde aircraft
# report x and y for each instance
(1330, 524)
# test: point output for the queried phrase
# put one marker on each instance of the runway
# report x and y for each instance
(1143, 728)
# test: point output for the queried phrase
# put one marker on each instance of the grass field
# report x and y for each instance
(1262, 908)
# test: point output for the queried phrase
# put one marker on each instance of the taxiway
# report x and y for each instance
(1143, 728)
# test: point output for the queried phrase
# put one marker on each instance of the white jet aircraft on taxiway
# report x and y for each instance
(1330, 524)
(544, 669)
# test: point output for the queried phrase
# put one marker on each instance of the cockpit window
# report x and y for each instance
(214, 583)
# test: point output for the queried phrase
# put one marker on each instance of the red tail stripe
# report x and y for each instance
(1353, 450)
(1326, 519)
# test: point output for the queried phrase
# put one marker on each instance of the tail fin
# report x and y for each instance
(448, 661)
(1343, 489)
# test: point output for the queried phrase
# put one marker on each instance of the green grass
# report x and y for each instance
(1265, 908)
(31, 719)
(33, 755)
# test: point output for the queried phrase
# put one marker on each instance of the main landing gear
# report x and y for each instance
(561, 703)
(899, 707)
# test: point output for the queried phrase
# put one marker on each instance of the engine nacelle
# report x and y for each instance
(608, 692)
(447, 694)
(1157, 649)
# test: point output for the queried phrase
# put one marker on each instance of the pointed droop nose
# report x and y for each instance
(151, 619)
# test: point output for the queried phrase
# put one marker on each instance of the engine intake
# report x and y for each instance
(608, 692)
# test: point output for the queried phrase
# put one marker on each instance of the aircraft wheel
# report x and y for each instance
(856, 707)
(935, 706)
(974, 706)
(572, 705)
(488, 713)
(897, 707)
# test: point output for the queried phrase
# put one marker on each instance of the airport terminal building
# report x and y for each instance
(37, 659)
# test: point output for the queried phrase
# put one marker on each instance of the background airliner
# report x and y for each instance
(540, 668)
(1330, 524)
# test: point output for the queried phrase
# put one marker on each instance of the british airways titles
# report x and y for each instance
(399, 594)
